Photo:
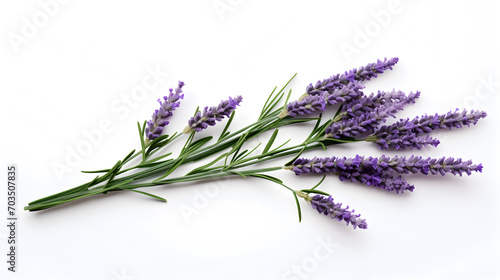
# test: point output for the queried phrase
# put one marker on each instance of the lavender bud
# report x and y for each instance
(211, 115)
(158, 121)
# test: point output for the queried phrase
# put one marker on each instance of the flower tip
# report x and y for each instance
(181, 84)
(479, 168)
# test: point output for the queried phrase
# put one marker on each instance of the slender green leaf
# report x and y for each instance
(298, 206)
(267, 177)
(176, 164)
(198, 143)
(314, 191)
(96, 171)
(238, 173)
(319, 183)
(127, 158)
(296, 156)
(277, 148)
(148, 194)
(271, 141)
(201, 168)
(287, 98)
(265, 104)
(154, 160)
(223, 133)
(142, 142)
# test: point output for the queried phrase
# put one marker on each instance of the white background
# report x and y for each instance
(78, 66)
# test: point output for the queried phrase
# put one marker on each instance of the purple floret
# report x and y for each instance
(155, 126)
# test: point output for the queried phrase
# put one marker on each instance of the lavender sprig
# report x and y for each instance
(428, 123)
(344, 93)
(407, 133)
(211, 115)
(418, 164)
(159, 119)
(360, 74)
(396, 165)
(367, 104)
(358, 169)
(401, 141)
(325, 205)
(369, 121)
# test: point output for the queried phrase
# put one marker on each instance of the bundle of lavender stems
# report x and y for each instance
(359, 117)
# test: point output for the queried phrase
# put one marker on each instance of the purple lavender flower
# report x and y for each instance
(406, 133)
(360, 74)
(307, 105)
(325, 205)
(211, 115)
(159, 119)
(368, 104)
(418, 164)
(344, 93)
(358, 169)
(397, 165)
(401, 141)
(369, 121)
(425, 123)
(365, 123)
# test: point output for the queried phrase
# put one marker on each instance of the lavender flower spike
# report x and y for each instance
(367, 104)
(360, 74)
(211, 115)
(307, 105)
(358, 169)
(418, 164)
(159, 119)
(325, 205)
(427, 123)
(401, 141)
